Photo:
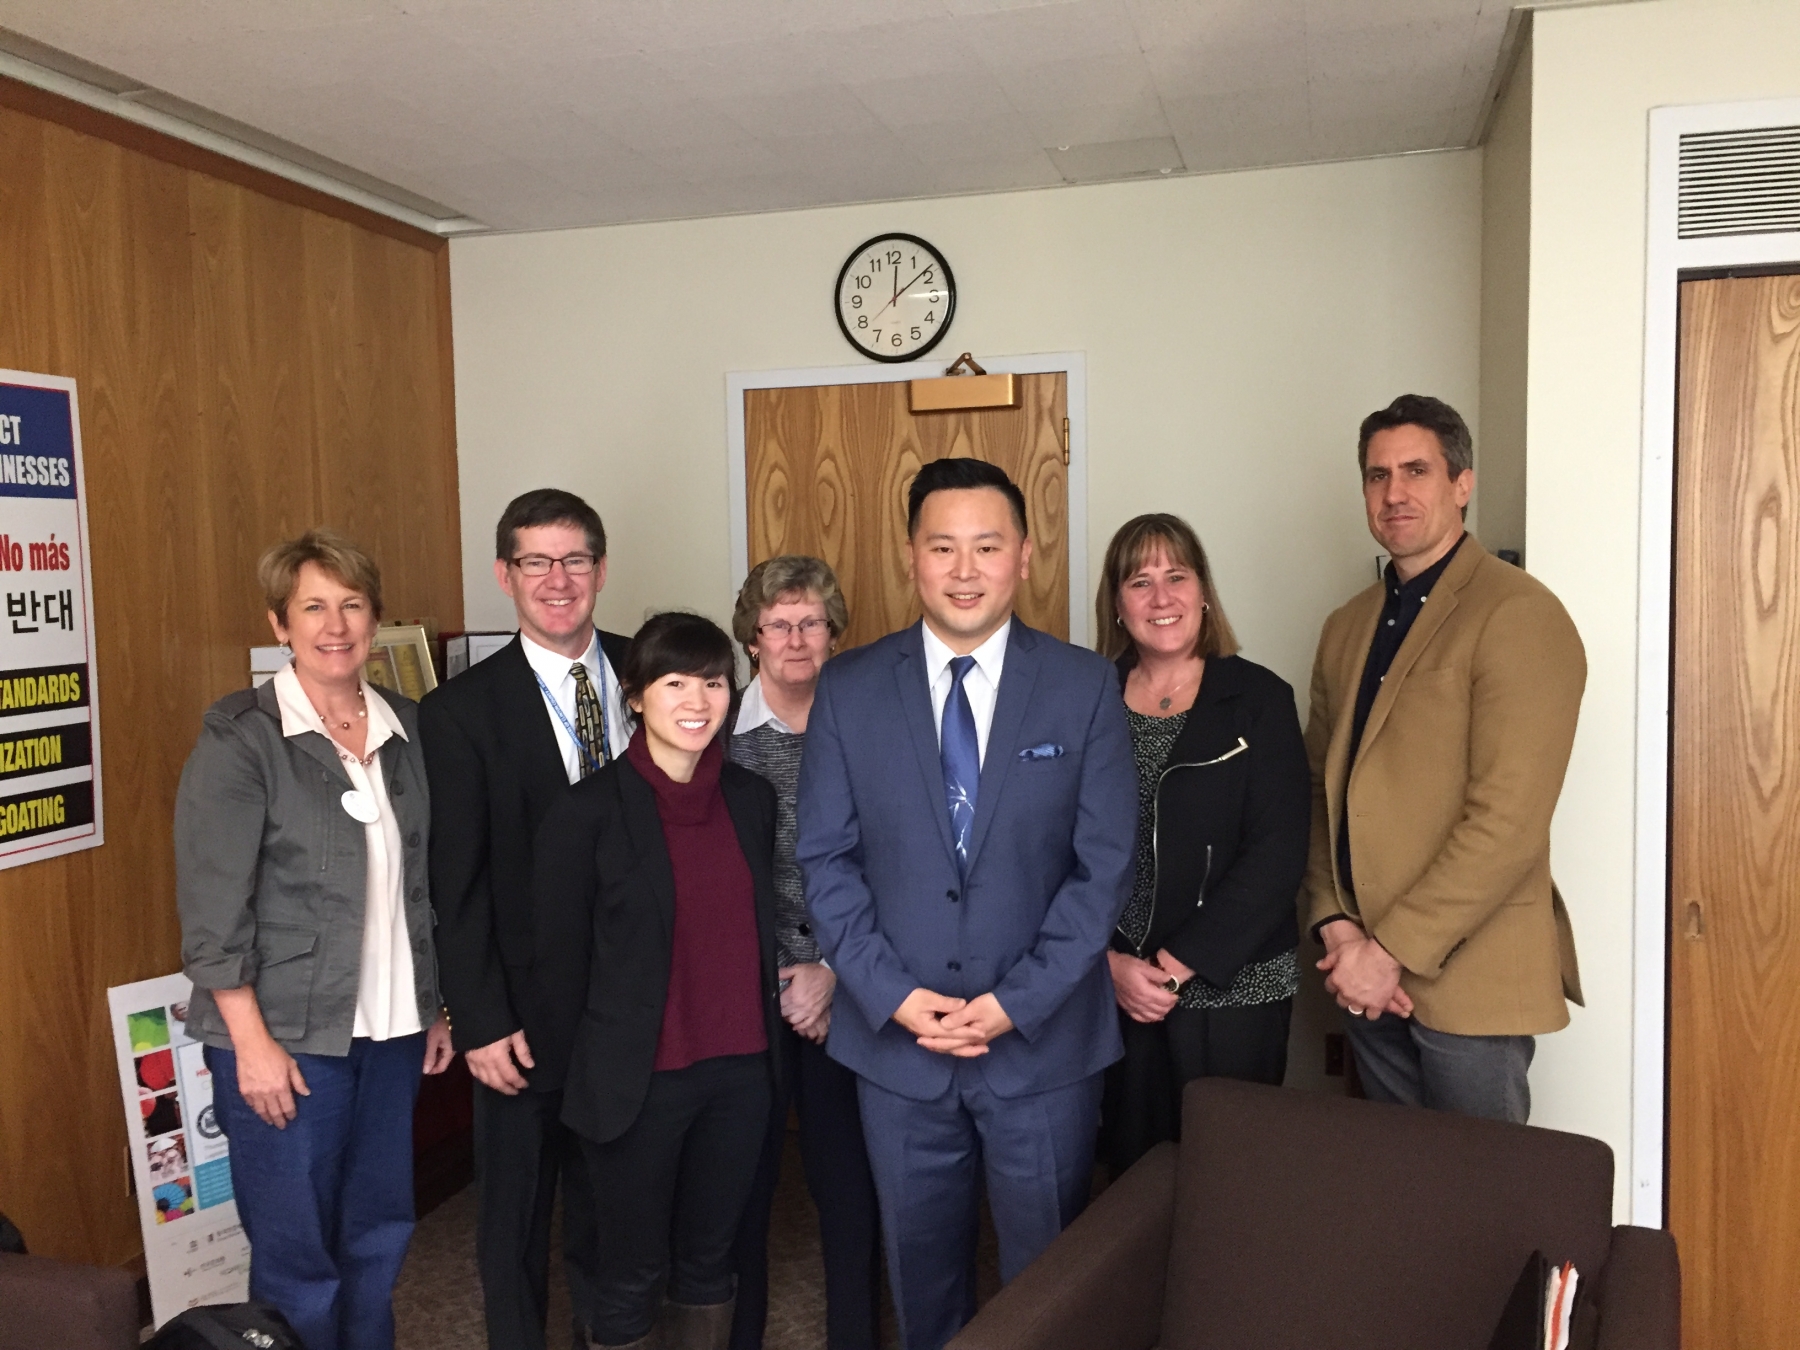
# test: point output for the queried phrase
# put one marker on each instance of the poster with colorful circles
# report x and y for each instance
(195, 1251)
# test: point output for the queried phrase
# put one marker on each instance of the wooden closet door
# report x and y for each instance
(827, 469)
(1734, 932)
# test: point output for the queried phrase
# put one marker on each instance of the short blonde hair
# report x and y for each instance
(279, 569)
(787, 577)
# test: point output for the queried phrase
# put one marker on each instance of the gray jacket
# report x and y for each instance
(271, 872)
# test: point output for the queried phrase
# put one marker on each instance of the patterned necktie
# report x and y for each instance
(960, 752)
(589, 729)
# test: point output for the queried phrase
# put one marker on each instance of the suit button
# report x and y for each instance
(398, 789)
(952, 896)
(954, 965)
(805, 930)
(412, 840)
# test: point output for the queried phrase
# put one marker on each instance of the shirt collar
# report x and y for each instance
(554, 666)
(298, 716)
(1420, 586)
(754, 711)
(989, 656)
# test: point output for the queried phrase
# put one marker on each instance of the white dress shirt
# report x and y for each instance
(754, 710)
(387, 1002)
(555, 670)
(982, 683)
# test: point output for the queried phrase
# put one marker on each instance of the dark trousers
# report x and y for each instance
(1143, 1090)
(823, 1094)
(1402, 1061)
(327, 1202)
(522, 1150)
(1036, 1155)
(672, 1189)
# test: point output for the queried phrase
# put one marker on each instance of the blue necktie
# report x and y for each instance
(961, 755)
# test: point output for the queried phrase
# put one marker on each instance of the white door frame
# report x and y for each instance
(1041, 363)
(1667, 256)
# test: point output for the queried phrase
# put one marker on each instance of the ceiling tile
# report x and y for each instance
(1100, 122)
(1105, 78)
(988, 138)
(925, 100)
(545, 113)
(994, 173)
(1065, 31)
(1228, 67)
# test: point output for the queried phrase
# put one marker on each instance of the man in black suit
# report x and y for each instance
(503, 741)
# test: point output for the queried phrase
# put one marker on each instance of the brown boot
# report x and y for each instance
(698, 1326)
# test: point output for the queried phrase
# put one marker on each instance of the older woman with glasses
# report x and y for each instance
(789, 616)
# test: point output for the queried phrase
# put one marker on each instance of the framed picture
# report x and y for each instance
(407, 649)
(380, 670)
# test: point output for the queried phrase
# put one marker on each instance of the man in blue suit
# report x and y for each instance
(967, 811)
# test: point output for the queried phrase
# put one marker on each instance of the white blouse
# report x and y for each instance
(387, 1002)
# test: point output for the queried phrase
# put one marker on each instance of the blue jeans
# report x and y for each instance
(1035, 1155)
(327, 1202)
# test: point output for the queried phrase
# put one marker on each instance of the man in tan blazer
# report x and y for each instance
(1444, 701)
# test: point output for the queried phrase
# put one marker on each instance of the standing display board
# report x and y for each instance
(49, 715)
(195, 1251)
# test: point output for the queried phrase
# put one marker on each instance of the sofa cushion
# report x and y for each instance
(1305, 1220)
(56, 1305)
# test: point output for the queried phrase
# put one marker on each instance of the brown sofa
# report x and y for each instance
(1291, 1220)
(56, 1305)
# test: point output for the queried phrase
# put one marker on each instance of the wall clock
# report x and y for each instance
(895, 297)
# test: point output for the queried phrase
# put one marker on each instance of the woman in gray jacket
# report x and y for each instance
(300, 831)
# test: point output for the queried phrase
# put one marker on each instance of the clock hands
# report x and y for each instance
(900, 291)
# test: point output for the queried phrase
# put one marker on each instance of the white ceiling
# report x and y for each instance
(533, 114)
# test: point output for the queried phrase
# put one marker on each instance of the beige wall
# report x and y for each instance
(1597, 72)
(1236, 328)
(1505, 270)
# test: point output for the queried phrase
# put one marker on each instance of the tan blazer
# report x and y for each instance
(1450, 801)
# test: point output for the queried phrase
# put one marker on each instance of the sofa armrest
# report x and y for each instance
(1639, 1297)
(56, 1305)
(1101, 1282)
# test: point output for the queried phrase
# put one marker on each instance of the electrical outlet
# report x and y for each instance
(1334, 1054)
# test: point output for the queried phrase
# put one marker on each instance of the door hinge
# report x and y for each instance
(1065, 440)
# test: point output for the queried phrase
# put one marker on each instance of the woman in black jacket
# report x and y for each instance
(654, 897)
(1203, 961)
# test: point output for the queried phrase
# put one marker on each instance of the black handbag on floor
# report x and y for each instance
(227, 1326)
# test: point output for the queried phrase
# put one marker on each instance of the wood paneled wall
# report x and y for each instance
(252, 359)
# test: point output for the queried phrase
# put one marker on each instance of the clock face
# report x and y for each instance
(895, 296)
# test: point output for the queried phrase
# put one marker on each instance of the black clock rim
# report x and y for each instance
(949, 313)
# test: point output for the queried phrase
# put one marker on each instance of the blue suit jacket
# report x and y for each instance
(1050, 861)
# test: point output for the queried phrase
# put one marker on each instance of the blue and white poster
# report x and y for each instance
(49, 713)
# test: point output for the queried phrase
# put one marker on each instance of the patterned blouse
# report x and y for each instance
(1152, 738)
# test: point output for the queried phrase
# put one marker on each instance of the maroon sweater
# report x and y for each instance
(714, 1005)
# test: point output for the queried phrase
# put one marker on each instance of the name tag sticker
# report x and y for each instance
(361, 806)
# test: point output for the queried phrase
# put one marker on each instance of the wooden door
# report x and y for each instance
(827, 469)
(1734, 930)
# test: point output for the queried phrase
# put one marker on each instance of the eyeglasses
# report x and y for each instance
(780, 628)
(537, 565)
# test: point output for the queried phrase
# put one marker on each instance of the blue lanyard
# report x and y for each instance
(605, 738)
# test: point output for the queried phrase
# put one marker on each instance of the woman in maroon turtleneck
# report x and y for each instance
(655, 960)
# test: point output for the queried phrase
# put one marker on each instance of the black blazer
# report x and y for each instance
(1234, 815)
(495, 771)
(605, 901)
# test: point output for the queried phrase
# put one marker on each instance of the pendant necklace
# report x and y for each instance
(343, 754)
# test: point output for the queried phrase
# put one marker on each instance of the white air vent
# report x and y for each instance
(1739, 182)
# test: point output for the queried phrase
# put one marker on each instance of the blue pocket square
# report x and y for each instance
(1048, 750)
